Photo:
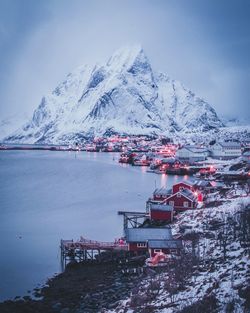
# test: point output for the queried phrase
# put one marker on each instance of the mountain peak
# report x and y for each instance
(126, 57)
(124, 95)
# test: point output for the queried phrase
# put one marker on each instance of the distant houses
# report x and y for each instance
(192, 154)
(220, 150)
(168, 163)
(225, 150)
(177, 159)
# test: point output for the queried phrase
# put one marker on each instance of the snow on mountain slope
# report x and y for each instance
(11, 123)
(124, 95)
(231, 122)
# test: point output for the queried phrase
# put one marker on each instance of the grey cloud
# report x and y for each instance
(67, 34)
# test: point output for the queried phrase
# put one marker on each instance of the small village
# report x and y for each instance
(192, 239)
(214, 175)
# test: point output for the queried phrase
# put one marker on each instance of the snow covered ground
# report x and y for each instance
(222, 273)
(220, 134)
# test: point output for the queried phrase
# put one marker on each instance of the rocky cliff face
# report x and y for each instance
(122, 96)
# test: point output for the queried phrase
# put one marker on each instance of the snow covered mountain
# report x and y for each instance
(122, 96)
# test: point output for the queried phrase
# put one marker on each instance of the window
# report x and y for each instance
(141, 245)
(171, 203)
(181, 188)
(178, 195)
(185, 204)
(157, 250)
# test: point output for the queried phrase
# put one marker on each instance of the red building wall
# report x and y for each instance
(158, 215)
(177, 187)
(179, 203)
(132, 246)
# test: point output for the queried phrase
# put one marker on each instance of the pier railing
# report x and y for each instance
(87, 244)
(85, 250)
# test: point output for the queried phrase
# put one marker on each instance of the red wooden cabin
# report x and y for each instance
(161, 212)
(161, 194)
(137, 238)
(183, 185)
(182, 200)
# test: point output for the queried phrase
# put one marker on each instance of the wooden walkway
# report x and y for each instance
(88, 250)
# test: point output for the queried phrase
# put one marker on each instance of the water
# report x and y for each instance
(46, 196)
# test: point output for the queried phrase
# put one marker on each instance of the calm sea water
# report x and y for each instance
(46, 196)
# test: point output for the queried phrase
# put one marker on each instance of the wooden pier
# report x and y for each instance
(85, 250)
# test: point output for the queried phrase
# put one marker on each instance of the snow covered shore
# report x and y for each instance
(218, 279)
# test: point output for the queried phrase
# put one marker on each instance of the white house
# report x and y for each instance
(192, 154)
(225, 150)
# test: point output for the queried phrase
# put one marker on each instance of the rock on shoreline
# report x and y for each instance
(82, 288)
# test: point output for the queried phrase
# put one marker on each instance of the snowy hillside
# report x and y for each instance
(124, 95)
(240, 133)
(219, 281)
(232, 122)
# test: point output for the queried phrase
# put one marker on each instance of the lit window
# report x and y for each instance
(141, 245)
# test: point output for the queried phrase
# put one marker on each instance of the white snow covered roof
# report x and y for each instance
(230, 144)
(195, 149)
(146, 234)
(161, 207)
(162, 191)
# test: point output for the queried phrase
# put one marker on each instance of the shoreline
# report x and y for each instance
(81, 288)
(90, 288)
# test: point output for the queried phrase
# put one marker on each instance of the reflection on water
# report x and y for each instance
(164, 178)
(176, 177)
(144, 169)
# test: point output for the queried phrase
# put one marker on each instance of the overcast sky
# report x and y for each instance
(205, 44)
